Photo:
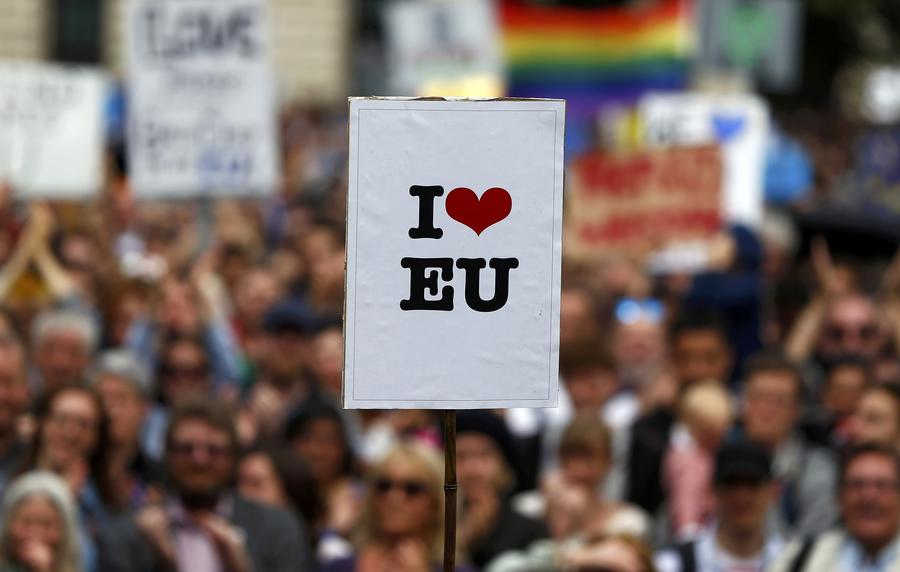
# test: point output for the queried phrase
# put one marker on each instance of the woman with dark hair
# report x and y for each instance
(317, 435)
(71, 441)
(282, 480)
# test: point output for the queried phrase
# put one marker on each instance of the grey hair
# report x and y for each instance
(46, 485)
(123, 364)
(77, 321)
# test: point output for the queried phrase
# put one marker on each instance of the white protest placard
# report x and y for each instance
(738, 123)
(442, 45)
(453, 253)
(51, 130)
(201, 110)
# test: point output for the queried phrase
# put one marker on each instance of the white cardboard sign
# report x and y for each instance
(453, 253)
(51, 130)
(202, 106)
(739, 123)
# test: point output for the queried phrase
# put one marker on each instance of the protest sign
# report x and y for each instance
(631, 203)
(201, 111)
(441, 46)
(738, 123)
(51, 130)
(453, 253)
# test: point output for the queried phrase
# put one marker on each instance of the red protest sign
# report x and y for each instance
(626, 203)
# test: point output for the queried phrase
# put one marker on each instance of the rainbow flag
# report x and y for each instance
(593, 57)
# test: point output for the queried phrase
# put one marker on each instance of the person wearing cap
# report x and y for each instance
(866, 541)
(738, 541)
(485, 465)
(283, 381)
(125, 388)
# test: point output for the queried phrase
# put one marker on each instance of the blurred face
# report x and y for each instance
(258, 481)
(743, 505)
(875, 419)
(70, 430)
(770, 407)
(870, 501)
(575, 318)
(638, 343)
(185, 372)
(13, 385)
(585, 470)
(286, 355)
(403, 505)
(700, 355)
(844, 388)
(200, 459)
(328, 359)
(478, 462)
(125, 407)
(34, 522)
(590, 389)
(851, 328)
(321, 445)
(62, 358)
(178, 312)
(255, 294)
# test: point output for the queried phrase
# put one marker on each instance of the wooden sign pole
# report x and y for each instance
(450, 488)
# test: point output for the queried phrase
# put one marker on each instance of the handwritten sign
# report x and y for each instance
(636, 201)
(453, 253)
(51, 130)
(202, 115)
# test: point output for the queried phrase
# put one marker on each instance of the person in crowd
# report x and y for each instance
(72, 441)
(14, 398)
(845, 382)
(255, 292)
(621, 553)
(316, 436)
(485, 463)
(705, 416)
(125, 387)
(877, 417)
(38, 526)
(278, 478)
(638, 341)
(283, 381)
(403, 516)
(738, 540)
(63, 344)
(184, 373)
(327, 361)
(699, 349)
(571, 503)
(591, 387)
(189, 308)
(772, 401)
(869, 497)
(202, 524)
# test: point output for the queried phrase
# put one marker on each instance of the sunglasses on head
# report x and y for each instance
(410, 488)
(632, 310)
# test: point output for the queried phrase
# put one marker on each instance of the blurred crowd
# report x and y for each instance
(170, 383)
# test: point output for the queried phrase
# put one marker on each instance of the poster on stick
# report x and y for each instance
(453, 253)
(51, 130)
(638, 202)
(202, 109)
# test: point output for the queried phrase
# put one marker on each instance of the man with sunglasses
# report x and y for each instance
(201, 524)
(738, 542)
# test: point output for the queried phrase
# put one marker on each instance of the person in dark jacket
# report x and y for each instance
(698, 344)
(485, 462)
(202, 524)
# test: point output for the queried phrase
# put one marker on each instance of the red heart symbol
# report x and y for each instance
(464, 206)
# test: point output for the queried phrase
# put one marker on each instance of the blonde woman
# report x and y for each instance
(38, 531)
(402, 523)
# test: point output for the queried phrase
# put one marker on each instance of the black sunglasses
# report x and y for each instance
(410, 488)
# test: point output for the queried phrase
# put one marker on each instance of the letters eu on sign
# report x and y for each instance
(453, 253)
